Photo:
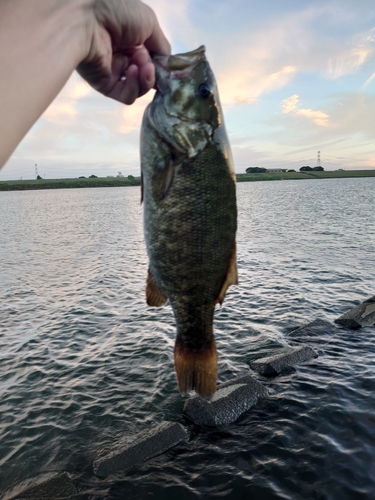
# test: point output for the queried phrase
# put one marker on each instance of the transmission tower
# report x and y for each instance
(36, 171)
(318, 159)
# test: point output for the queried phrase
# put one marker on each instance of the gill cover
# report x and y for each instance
(185, 111)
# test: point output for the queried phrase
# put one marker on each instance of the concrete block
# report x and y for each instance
(144, 446)
(289, 356)
(360, 316)
(229, 402)
(57, 486)
(316, 330)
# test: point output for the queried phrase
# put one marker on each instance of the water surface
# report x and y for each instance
(85, 363)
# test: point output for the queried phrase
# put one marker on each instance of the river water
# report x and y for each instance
(85, 363)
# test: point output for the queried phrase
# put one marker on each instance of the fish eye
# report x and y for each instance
(204, 90)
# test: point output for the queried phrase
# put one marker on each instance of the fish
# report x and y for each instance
(190, 213)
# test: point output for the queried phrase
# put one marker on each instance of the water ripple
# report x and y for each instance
(84, 362)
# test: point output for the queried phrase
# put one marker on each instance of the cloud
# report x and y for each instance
(176, 21)
(132, 115)
(352, 114)
(64, 107)
(368, 81)
(59, 110)
(243, 87)
(290, 105)
(79, 104)
(260, 53)
(255, 61)
(349, 61)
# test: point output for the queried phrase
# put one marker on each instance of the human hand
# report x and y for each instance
(121, 36)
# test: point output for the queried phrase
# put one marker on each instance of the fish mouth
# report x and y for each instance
(180, 62)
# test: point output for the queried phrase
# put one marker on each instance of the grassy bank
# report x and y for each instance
(124, 181)
(68, 183)
(282, 176)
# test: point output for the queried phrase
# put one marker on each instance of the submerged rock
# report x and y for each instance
(289, 356)
(57, 486)
(360, 316)
(146, 445)
(229, 402)
(313, 331)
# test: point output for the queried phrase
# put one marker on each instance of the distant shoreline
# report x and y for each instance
(23, 185)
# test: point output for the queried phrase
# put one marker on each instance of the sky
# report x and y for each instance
(295, 77)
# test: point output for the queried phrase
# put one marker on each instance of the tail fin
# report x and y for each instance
(196, 368)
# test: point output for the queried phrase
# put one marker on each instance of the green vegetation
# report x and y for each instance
(255, 170)
(282, 176)
(83, 182)
(309, 169)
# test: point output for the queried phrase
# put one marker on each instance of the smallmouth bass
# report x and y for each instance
(190, 214)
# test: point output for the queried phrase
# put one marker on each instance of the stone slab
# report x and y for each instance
(360, 316)
(283, 358)
(57, 486)
(315, 330)
(229, 402)
(144, 446)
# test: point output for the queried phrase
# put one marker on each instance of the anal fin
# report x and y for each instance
(154, 296)
(231, 277)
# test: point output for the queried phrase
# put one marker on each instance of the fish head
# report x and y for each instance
(186, 108)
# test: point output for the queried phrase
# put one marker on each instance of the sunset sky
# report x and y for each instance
(294, 77)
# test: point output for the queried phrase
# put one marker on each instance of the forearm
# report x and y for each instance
(41, 43)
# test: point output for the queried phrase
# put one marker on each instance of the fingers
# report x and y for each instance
(146, 78)
(136, 82)
(127, 91)
(132, 76)
(124, 34)
(142, 59)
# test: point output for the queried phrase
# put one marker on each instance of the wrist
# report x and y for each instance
(75, 20)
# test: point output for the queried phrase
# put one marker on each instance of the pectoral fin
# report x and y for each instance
(142, 187)
(162, 178)
(154, 296)
(231, 277)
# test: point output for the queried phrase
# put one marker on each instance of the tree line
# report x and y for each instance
(261, 170)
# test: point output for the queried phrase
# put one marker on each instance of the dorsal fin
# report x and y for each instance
(154, 296)
(231, 277)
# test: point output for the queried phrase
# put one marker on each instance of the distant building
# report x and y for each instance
(120, 174)
(275, 170)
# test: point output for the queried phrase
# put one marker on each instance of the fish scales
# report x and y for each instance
(190, 222)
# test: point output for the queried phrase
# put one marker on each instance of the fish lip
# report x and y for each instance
(180, 62)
